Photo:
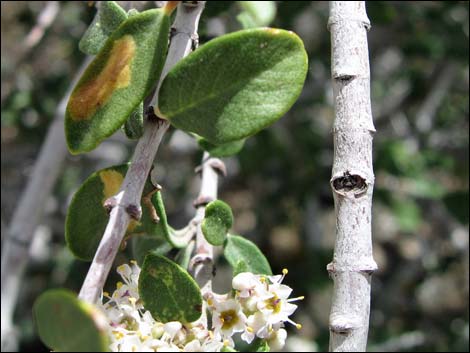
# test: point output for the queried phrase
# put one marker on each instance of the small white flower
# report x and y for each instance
(256, 325)
(245, 283)
(228, 318)
(172, 328)
(193, 346)
(275, 304)
(277, 340)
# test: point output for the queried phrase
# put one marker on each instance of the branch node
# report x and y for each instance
(202, 201)
(341, 330)
(200, 259)
(344, 324)
(134, 211)
(218, 166)
(344, 78)
(109, 204)
(366, 266)
(349, 183)
(368, 272)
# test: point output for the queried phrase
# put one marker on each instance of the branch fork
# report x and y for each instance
(125, 205)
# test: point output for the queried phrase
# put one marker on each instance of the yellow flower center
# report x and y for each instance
(229, 318)
(273, 304)
(131, 323)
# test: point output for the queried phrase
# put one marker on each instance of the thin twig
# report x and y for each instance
(202, 263)
(126, 204)
(352, 177)
(29, 212)
(45, 19)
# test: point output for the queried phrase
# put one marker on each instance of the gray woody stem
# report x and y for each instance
(29, 212)
(352, 177)
(202, 263)
(126, 203)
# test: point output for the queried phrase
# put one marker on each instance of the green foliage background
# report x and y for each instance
(278, 185)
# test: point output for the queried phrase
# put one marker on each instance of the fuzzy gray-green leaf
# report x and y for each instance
(109, 16)
(122, 74)
(66, 324)
(168, 291)
(87, 218)
(235, 85)
(244, 256)
(218, 219)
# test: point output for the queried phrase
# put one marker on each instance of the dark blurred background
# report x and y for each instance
(278, 185)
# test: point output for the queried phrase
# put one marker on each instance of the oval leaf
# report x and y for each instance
(218, 219)
(244, 256)
(87, 218)
(117, 80)
(109, 16)
(225, 150)
(168, 291)
(235, 85)
(66, 324)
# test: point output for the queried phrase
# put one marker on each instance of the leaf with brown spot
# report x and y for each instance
(124, 71)
(87, 217)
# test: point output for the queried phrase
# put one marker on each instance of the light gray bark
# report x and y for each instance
(202, 263)
(352, 177)
(126, 203)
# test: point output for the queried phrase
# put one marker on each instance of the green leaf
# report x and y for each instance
(218, 219)
(109, 16)
(244, 256)
(168, 291)
(225, 150)
(117, 80)
(177, 238)
(256, 13)
(134, 126)
(67, 324)
(87, 218)
(235, 85)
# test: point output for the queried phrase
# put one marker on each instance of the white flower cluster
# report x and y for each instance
(258, 309)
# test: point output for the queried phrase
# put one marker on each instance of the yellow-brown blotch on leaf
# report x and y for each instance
(116, 74)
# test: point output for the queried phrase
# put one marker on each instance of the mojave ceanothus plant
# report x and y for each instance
(147, 75)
